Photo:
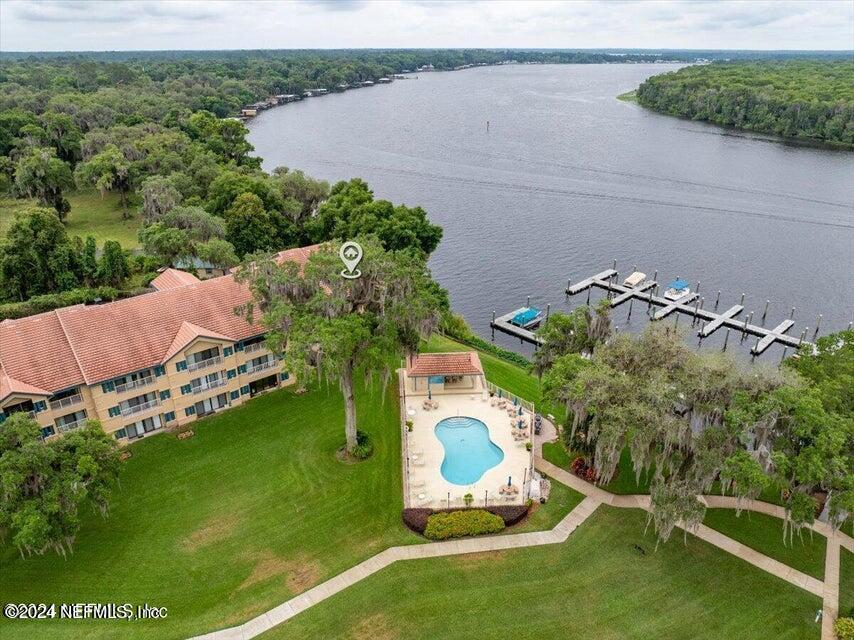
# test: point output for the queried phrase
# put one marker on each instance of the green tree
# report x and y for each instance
(220, 253)
(40, 174)
(89, 261)
(44, 484)
(577, 332)
(166, 243)
(108, 171)
(342, 327)
(248, 226)
(36, 256)
(113, 267)
(351, 210)
(159, 196)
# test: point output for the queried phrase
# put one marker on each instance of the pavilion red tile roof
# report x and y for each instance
(460, 363)
(92, 343)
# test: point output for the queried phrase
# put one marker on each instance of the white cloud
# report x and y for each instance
(191, 24)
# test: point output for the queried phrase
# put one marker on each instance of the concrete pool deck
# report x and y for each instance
(425, 453)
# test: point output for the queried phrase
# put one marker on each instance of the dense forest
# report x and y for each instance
(795, 99)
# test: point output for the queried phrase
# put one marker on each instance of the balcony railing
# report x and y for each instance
(71, 426)
(70, 401)
(209, 385)
(134, 384)
(139, 408)
(261, 366)
(255, 346)
(195, 366)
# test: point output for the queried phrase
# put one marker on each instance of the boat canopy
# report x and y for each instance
(525, 316)
(678, 284)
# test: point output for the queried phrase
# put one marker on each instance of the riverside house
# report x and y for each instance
(141, 364)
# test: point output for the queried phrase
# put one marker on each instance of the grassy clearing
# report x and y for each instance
(91, 214)
(765, 534)
(597, 585)
(250, 511)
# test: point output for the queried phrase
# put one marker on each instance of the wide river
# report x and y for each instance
(567, 178)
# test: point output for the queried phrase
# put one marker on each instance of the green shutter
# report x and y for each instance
(235, 395)
(39, 406)
(241, 369)
(227, 351)
(121, 433)
(284, 376)
(244, 390)
(169, 417)
(108, 386)
(190, 410)
(114, 411)
(181, 366)
(238, 346)
(185, 389)
(159, 370)
(165, 394)
(231, 373)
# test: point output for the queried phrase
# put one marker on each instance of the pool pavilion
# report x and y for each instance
(438, 386)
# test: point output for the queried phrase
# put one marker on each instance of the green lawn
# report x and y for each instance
(846, 583)
(91, 214)
(252, 510)
(597, 585)
(765, 534)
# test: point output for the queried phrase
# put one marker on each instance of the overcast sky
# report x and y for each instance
(60, 25)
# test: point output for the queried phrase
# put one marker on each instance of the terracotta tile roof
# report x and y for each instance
(462, 363)
(171, 278)
(186, 334)
(8, 386)
(89, 344)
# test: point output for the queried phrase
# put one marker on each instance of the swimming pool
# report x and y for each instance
(469, 452)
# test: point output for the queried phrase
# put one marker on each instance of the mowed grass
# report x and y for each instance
(252, 510)
(91, 214)
(846, 583)
(764, 533)
(607, 581)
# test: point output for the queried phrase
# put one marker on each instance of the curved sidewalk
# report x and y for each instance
(828, 589)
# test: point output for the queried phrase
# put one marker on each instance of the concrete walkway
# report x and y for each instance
(324, 590)
(828, 589)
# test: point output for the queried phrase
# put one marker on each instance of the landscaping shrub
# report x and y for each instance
(583, 469)
(364, 448)
(416, 517)
(466, 337)
(844, 628)
(457, 524)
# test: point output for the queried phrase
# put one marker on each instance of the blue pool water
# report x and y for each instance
(469, 453)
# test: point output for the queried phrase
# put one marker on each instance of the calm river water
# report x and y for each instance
(568, 178)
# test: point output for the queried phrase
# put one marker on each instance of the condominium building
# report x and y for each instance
(138, 365)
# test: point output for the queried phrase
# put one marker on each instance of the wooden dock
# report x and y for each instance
(689, 305)
(503, 324)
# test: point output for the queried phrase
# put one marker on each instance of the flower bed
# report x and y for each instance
(583, 469)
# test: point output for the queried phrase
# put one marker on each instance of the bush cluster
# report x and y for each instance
(364, 448)
(844, 628)
(460, 332)
(583, 469)
(51, 301)
(415, 518)
(457, 524)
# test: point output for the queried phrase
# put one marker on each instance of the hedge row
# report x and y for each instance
(51, 301)
(458, 524)
(416, 517)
